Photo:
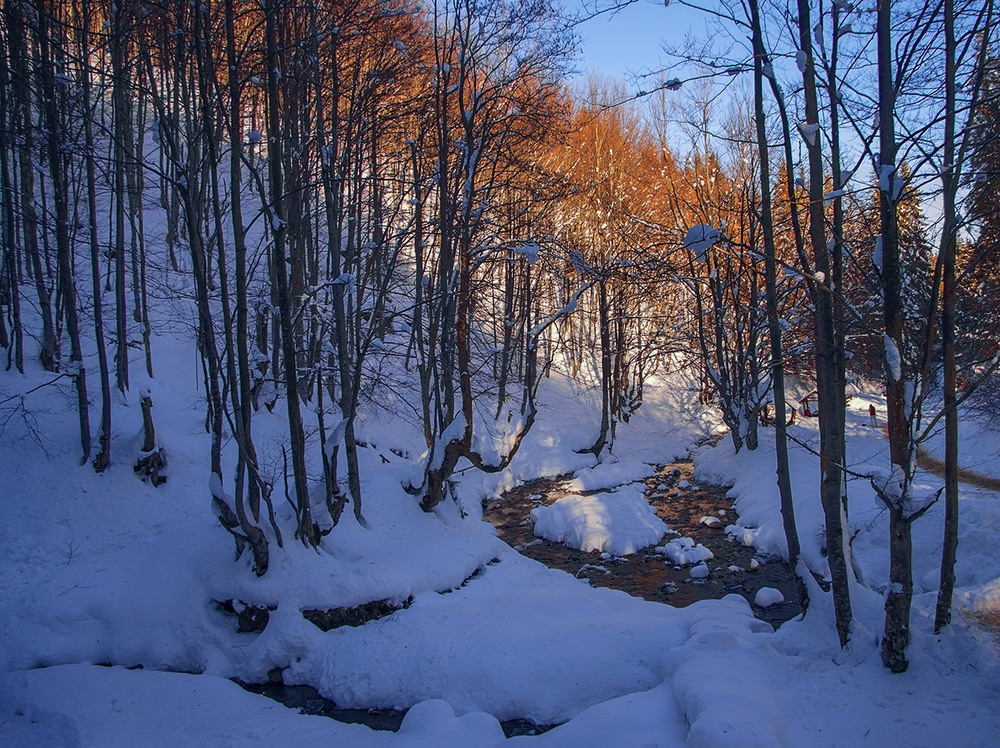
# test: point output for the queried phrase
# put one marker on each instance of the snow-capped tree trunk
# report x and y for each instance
(837, 254)
(900, 594)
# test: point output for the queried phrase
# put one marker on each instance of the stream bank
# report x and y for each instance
(684, 507)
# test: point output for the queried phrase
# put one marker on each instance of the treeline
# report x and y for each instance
(354, 198)
(386, 201)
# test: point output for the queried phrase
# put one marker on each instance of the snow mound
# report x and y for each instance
(609, 475)
(745, 535)
(683, 551)
(768, 596)
(700, 571)
(619, 523)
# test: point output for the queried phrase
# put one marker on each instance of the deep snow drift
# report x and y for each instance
(106, 570)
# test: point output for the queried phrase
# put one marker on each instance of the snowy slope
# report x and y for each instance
(104, 569)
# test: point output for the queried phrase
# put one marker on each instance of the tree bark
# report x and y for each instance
(773, 321)
(826, 351)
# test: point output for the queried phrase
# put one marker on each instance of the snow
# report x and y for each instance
(893, 362)
(701, 238)
(107, 569)
(618, 523)
(529, 250)
(768, 596)
(700, 571)
(809, 131)
(82, 704)
(801, 59)
(607, 475)
(683, 551)
(885, 172)
(830, 197)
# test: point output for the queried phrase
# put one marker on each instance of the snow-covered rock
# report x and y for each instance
(768, 596)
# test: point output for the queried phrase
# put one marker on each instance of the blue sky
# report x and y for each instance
(631, 40)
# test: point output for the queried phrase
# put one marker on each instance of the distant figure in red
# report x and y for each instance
(807, 410)
(871, 416)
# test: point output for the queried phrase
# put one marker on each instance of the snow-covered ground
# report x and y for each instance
(100, 570)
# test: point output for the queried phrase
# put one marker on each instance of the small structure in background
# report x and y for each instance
(805, 406)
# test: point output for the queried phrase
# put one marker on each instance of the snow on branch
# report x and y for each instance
(566, 310)
(701, 238)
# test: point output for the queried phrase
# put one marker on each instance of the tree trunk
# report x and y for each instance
(103, 458)
(60, 196)
(826, 352)
(22, 124)
(773, 321)
(900, 594)
(122, 132)
(306, 532)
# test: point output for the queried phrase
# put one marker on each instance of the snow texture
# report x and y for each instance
(620, 522)
(893, 362)
(801, 60)
(106, 569)
(683, 551)
(809, 132)
(701, 238)
(768, 596)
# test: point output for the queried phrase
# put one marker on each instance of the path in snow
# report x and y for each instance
(648, 574)
(933, 465)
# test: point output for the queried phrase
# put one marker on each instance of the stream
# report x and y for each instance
(681, 505)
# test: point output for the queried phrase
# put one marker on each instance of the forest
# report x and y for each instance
(415, 208)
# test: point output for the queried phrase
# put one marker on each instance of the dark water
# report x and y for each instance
(309, 701)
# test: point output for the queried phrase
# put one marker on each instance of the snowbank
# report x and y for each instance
(618, 523)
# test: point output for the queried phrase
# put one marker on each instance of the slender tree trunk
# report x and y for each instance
(10, 294)
(307, 532)
(951, 173)
(122, 131)
(604, 326)
(826, 351)
(773, 320)
(60, 197)
(900, 594)
(21, 121)
(103, 458)
(245, 380)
